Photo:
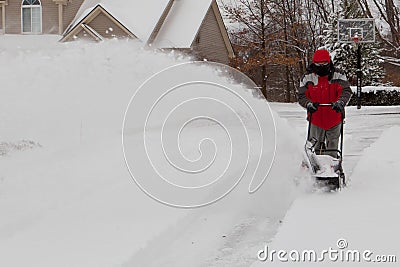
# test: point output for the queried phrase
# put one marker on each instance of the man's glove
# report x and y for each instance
(338, 106)
(312, 107)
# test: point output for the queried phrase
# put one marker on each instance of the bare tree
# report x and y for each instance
(389, 12)
(252, 35)
(275, 39)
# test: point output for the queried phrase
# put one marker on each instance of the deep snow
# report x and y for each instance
(67, 199)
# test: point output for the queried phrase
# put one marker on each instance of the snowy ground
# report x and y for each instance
(67, 199)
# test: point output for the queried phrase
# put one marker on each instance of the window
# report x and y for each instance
(31, 16)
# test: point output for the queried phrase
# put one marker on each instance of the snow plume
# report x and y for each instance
(228, 232)
(7, 147)
(209, 146)
(72, 202)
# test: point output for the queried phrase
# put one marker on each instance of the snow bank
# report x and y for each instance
(376, 88)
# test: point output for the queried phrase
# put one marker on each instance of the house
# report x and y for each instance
(37, 16)
(193, 26)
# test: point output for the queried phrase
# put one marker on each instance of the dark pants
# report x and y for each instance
(328, 139)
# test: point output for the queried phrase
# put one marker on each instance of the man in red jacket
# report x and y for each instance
(324, 84)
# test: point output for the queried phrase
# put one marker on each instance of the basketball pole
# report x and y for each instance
(357, 31)
(359, 75)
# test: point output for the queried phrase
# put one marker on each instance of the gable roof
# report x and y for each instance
(82, 24)
(139, 16)
(184, 21)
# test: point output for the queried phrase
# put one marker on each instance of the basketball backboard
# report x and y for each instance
(356, 30)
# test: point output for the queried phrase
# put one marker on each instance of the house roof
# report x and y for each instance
(86, 17)
(182, 23)
(138, 16)
(161, 23)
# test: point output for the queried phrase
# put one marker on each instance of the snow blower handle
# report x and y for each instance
(330, 105)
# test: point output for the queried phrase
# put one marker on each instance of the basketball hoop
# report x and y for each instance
(364, 29)
(356, 39)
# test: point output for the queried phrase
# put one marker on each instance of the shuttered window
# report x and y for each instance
(31, 16)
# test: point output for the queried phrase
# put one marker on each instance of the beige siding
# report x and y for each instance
(209, 43)
(69, 12)
(105, 27)
(1, 19)
(83, 35)
(13, 16)
(49, 17)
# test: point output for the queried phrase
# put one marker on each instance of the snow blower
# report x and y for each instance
(324, 168)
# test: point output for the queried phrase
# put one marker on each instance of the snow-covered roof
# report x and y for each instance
(139, 16)
(182, 23)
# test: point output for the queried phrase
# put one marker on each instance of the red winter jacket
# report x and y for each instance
(324, 90)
